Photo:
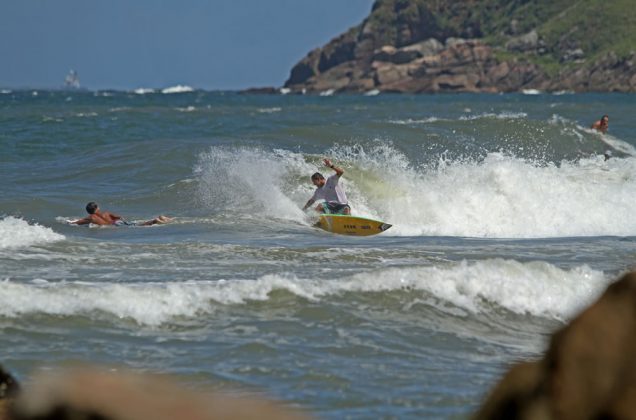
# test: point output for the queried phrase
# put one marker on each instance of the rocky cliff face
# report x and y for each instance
(463, 46)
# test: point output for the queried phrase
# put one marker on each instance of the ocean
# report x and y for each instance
(507, 221)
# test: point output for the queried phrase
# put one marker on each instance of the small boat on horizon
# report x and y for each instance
(72, 80)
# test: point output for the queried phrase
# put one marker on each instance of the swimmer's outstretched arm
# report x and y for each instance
(84, 221)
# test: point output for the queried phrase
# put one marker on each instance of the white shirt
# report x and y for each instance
(331, 191)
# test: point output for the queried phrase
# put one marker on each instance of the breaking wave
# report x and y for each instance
(18, 233)
(535, 288)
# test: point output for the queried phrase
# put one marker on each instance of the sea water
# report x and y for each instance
(507, 221)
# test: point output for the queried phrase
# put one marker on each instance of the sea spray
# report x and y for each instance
(245, 181)
(500, 196)
(18, 233)
(504, 196)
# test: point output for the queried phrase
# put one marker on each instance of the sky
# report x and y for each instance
(129, 44)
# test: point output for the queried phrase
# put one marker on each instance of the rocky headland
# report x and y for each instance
(428, 46)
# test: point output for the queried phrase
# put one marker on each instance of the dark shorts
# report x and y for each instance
(121, 222)
(333, 207)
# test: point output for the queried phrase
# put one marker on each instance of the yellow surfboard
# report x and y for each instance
(351, 225)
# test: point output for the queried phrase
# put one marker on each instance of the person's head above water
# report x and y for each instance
(318, 180)
(91, 207)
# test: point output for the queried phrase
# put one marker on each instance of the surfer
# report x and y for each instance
(601, 125)
(106, 218)
(329, 190)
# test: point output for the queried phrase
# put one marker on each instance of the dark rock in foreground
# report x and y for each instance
(92, 394)
(9, 389)
(588, 372)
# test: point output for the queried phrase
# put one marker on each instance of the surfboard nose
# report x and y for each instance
(384, 226)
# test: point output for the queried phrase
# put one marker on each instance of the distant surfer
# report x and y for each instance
(334, 199)
(601, 125)
(106, 218)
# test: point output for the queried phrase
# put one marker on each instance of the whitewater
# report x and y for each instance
(508, 219)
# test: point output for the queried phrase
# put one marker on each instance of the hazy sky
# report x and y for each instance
(123, 44)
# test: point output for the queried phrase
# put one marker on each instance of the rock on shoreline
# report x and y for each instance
(409, 47)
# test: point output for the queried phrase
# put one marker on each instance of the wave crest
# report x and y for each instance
(482, 287)
(498, 196)
(177, 89)
(17, 233)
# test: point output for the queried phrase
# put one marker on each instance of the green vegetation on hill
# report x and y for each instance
(595, 26)
(578, 45)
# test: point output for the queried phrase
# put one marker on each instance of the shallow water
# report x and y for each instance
(507, 221)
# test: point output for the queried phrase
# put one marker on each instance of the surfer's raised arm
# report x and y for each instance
(339, 171)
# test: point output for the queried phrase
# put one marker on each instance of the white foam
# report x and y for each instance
(143, 91)
(328, 92)
(500, 196)
(269, 110)
(534, 288)
(611, 141)
(119, 109)
(500, 116)
(17, 233)
(531, 91)
(254, 181)
(410, 121)
(5, 91)
(189, 108)
(284, 91)
(372, 92)
(572, 127)
(177, 89)
(46, 118)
